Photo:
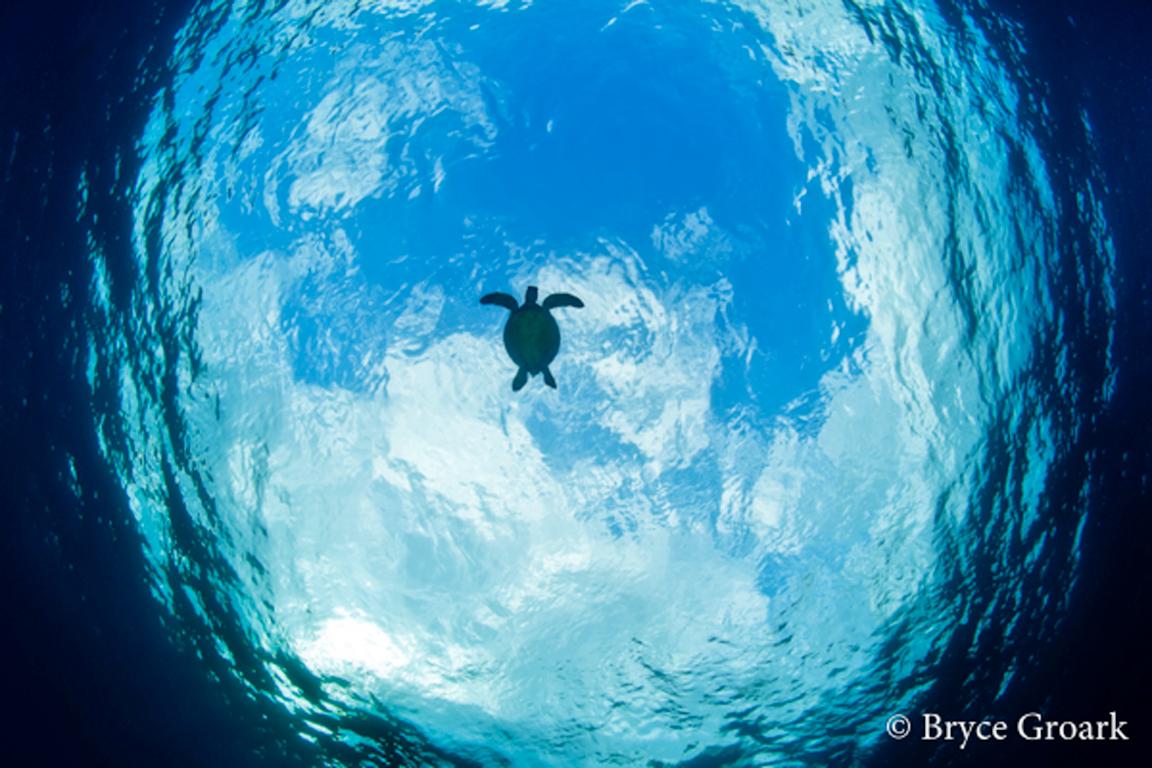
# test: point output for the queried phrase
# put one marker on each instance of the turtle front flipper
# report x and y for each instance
(562, 300)
(548, 378)
(520, 380)
(500, 299)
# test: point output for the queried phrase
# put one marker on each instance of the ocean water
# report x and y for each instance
(826, 441)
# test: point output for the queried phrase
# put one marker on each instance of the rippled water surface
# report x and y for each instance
(841, 322)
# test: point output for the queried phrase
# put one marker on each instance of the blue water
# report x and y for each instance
(822, 428)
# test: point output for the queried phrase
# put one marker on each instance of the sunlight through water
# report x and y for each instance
(836, 306)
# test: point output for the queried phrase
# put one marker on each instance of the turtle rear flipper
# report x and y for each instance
(562, 300)
(520, 380)
(548, 378)
(500, 299)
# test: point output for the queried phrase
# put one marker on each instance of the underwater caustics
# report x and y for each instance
(847, 313)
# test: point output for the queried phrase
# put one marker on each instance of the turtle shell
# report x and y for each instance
(532, 338)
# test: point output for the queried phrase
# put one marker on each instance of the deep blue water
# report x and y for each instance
(852, 423)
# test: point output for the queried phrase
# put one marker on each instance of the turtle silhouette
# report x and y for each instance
(531, 334)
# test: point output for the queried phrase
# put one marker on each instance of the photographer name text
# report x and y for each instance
(1031, 726)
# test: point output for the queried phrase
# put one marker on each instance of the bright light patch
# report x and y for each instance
(347, 643)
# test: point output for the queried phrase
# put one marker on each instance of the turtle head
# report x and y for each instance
(530, 296)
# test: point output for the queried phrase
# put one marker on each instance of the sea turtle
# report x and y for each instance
(531, 335)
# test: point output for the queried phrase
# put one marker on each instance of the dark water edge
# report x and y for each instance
(93, 677)
(1094, 56)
